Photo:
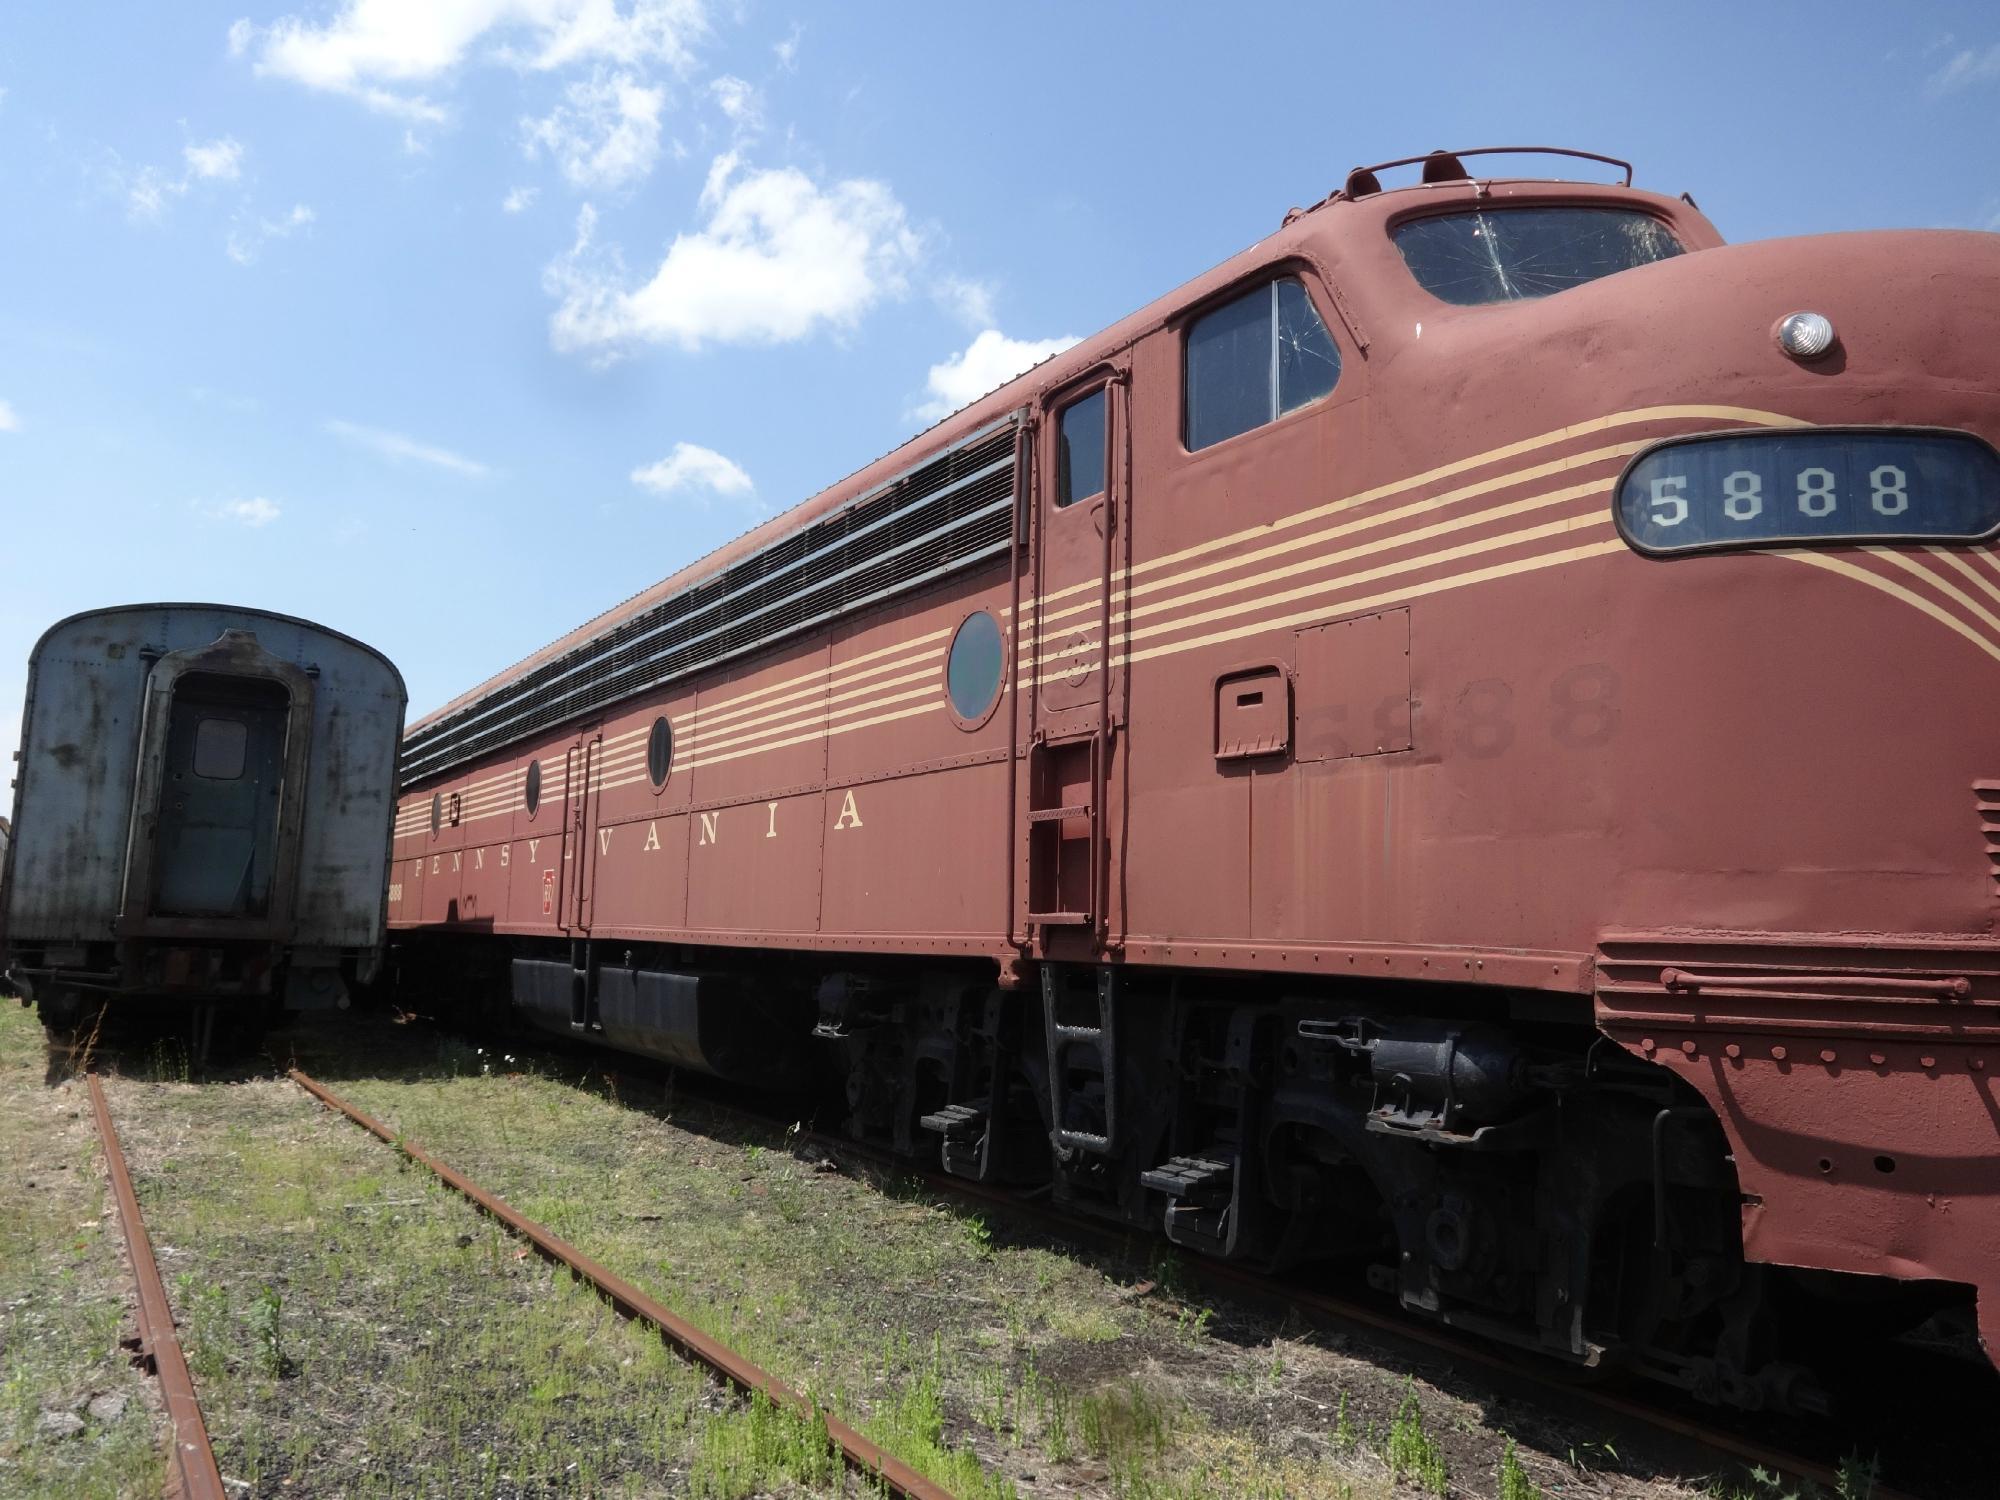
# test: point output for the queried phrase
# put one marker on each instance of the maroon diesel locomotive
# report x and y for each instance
(1462, 742)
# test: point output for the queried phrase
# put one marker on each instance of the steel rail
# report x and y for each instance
(860, 1455)
(193, 1465)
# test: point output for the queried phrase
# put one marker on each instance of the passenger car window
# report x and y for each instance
(1511, 254)
(219, 746)
(1254, 359)
(1080, 445)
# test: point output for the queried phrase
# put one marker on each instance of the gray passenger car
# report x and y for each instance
(202, 812)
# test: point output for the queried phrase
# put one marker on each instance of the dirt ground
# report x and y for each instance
(357, 1330)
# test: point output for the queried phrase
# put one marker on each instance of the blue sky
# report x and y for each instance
(451, 324)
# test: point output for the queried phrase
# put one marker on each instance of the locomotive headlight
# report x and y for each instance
(1805, 335)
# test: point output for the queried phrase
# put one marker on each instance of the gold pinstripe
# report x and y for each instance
(1980, 577)
(1368, 523)
(1949, 590)
(864, 691)
(1749, 416)
(1889, 586)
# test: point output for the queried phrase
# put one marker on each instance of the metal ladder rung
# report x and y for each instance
(1052, 814)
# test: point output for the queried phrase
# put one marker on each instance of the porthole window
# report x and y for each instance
(660, 752)
(1254, 359)
(533, 789)
(437, 811)
(973, 669)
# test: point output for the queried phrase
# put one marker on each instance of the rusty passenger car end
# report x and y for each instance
(203, 796)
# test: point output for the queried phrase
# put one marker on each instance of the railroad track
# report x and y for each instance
(192, 1470)
(194, 1461)
(862, 1456)
(191, 1460)
(1330, 1310)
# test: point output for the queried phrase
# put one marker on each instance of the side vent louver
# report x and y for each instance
(1986, 796)
(947, 514)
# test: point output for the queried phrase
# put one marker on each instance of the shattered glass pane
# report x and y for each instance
(1511, 254)
(1308, 363)
(1229, 370)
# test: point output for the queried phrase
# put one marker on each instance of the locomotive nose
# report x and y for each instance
(1843, 322)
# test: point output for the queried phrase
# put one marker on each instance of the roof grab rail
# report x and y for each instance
(1449, 166)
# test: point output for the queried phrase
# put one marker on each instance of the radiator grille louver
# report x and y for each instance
(947, 514)
(1986, 798)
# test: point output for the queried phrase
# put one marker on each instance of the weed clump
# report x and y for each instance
(911, 1426)
(265, 1329)
(1345, 1438)
(1514, 1481)
(1411, 1451)
(758, 1447)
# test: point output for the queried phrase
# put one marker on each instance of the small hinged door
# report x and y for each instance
(1253, 712)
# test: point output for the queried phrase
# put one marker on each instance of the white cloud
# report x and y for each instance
(10, 420)
(788, 50)
(971, 302)
(739, 102)
(605, 133)
(376, 51)
(148, 191)
(986, 364)
(254, 512)
(695, 468)
(217, 160)
(1965, 68)
(240, 33)
(778, 258)
(396, 446)
(517, 200)
(249, 235)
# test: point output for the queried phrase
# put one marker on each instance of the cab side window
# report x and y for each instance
(1080, 456)
(1253, 359)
